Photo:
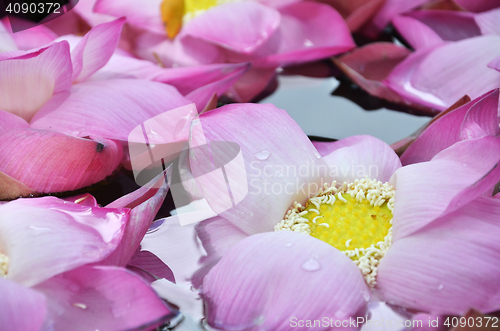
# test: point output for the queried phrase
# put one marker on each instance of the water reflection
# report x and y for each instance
(310, 103)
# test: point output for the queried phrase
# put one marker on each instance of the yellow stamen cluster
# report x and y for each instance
(4, 265)
(174, 13)
(355, 218)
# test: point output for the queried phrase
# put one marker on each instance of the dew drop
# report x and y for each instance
(279, 174)
(311, 265)
(465, 165)
(262, 155)
(289, 245)
(440, 287)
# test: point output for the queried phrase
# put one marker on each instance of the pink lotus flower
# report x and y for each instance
(428, 78)
(393, 8)
(62, 264)
(442, 256)
(269, 34)
(73, 106)
(475, 119)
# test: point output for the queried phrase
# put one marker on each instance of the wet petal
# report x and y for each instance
(472, 120)
(449, 266)
(141, 218)
(358, 156)
(46, 236)
(264, 162)
(308, 31)
(304, 278)
(53, 162)
(438, 77)
(367, 66)
(454, 177)
(103, 298)
(240, 27)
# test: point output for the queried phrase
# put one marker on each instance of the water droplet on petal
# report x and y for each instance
(465, 165)
(289, 245)
(262, 155)
(440, 287)
(311, 265)
(279, 174)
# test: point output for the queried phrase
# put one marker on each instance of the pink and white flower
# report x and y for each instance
(67, 107)
(62, 263)
(269, 34)
(443, 257)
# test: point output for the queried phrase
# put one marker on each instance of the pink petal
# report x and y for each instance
(30, 80)
(180, 52)
(19, 302)
(495, 64)
(6, 37)
(35, 37)
(136, 68)
(147, 262)
(217, 236)
(478, 5)
(308, 31)
(488, 21)
(454, 177)
(144, 14)
(53, 162)
(108, 108)
(472, 120)
(359, 156)
(444, 25)
(168, 240)
(252, 83)
(271, 159)
(241, 26)
(94, 50)
(438, 77)
(103, 298)
(303, 279)
(9, 122)
(360, 15)
(189, 79)
(392, 8)
(85, 10)
(141, 218)
(448, 267)
(369, 65)
(416, 33)
(52, 236)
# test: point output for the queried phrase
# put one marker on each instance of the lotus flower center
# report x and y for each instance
(4, 265)
(176, 12)
(355, 218)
